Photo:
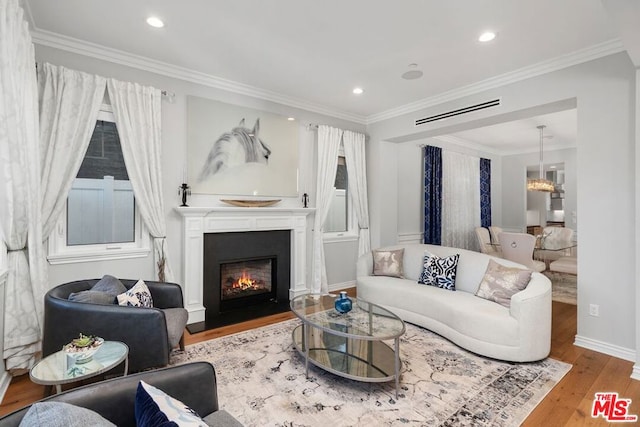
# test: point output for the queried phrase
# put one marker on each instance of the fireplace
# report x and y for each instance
(246, 275)
(247, 280)
(200, 221)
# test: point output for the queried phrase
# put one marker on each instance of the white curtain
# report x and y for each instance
(20, 214)
(138, 118)
(460, 200)
(354, 153)
(69, 104)
(328, 148)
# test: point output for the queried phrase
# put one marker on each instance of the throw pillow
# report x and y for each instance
(110, 285)
(440, 272)
(138, 296)
(54, 414)
(500, 283)
(388, 263)
(155, 408)
(93, 297)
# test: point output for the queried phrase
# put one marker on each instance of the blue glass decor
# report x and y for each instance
(343, 303)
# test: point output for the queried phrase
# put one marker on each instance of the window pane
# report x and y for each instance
(336, 221)
(101, 206)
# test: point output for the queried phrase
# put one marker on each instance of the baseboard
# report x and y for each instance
(344, 285)
(635, 373)
(5, 380)
(606, 348)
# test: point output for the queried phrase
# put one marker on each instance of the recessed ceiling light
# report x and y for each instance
(291, 118)
(155, 22)
(487, 36)
(358, 91)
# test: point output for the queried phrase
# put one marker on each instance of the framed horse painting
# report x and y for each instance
(239, 150)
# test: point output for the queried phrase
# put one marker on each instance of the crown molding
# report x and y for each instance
(93, 50)
(578, 57)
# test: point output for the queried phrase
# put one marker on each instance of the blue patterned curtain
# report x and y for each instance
(432, 194)
(485, 192)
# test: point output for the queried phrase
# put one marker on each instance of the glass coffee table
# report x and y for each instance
(56, 370)
(350, 345)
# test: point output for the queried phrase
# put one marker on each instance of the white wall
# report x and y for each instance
(410, 182)
(514, 183)
(174, 134)
(604, 92)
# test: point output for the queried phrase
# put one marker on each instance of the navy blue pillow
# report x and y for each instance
(155, 408)
(439, 272)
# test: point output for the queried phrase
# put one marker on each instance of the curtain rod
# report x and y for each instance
(312, 126)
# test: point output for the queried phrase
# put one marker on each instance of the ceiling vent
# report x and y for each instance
(459, 112)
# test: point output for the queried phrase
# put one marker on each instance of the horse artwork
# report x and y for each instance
(239, 146)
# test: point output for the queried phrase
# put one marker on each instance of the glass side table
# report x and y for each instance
(54, 369)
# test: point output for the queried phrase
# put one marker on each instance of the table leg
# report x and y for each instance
(305, 333)
(126, 366)
(58, 389)
(397, 351)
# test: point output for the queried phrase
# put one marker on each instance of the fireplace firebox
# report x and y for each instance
(246, 275)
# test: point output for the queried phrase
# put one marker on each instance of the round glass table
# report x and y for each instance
(57, 369)
(350, 345)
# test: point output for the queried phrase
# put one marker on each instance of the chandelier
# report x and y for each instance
(540, 184)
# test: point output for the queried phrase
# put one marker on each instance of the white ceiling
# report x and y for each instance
(315, 51)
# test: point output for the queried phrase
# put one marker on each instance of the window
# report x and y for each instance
(341, 223)
(101, 220)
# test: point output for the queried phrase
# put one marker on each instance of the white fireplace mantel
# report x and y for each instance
(197, 221)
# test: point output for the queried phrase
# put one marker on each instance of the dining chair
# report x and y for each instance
(494, 231)
(484, 241)
(554, 236)
(518, 247)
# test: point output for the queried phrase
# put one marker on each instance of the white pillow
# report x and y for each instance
(138, 296)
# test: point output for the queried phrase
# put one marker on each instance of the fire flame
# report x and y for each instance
(245, 282)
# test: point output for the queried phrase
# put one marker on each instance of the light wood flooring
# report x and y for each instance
(568, 404)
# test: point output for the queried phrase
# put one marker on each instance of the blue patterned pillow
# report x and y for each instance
(138, 296)
(155, 408)
(440, 272)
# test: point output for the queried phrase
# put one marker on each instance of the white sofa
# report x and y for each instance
(521, 333)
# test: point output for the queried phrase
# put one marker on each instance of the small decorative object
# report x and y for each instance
(184, 190)
(82, 349)
(251, 203)
(305, 200)
(343, 303)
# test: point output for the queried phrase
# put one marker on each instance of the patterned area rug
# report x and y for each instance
(261, 381)
(564, 287)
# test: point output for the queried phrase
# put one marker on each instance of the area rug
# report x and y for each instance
(564, 287)
(262, 382)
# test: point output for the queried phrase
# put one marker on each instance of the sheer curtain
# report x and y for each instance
(354, 153)
(20, 213)
(328, 148)
(69, 104)
(460, 200)
(137, 112)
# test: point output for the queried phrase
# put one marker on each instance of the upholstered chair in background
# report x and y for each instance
(494, 231)
(484, 241)
(518, 247)
(150, 333)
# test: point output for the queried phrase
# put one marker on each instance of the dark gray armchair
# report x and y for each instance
(194, 384)
(144, 330)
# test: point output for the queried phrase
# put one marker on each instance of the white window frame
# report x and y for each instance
(61, 253)
(352, 232)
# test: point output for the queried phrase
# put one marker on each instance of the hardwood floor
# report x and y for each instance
(568, 404)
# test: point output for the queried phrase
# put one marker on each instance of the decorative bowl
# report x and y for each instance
(82, 349)
(251, 203)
